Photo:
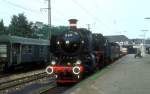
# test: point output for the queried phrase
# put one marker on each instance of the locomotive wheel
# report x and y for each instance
(102, 64)
(111, 60)
(107, 62)
(97, 68)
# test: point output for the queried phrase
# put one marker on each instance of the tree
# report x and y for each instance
(44, 31)
(2, 28)
(13, 27)
(20, 26)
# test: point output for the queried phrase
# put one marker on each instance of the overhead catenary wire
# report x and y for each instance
(21, 7)
(44, 11)
(96, 5)
(92, 16)
(61, 13)
(28, 9)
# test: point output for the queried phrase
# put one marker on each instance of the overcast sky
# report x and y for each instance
(109, 17)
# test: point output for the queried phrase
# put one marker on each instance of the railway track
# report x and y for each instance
(18, 72)
(3, 75)
(56, 90)
(19, 81)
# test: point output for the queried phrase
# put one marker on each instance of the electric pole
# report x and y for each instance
(144, 44)
(88, 27)
(49, 25)
(49, 19)
(144, 35)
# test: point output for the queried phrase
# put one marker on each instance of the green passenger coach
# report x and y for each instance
(19, 51)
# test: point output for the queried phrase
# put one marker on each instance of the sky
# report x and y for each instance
(109, 17)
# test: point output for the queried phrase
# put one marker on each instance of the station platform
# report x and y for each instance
(128, 75)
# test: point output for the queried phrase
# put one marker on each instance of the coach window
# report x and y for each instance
(3, 50)
(27, 49)
(41, 50)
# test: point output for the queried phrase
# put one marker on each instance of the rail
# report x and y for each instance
(19, 81)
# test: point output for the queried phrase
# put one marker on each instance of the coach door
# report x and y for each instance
(16, 54)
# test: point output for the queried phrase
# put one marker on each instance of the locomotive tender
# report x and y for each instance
(77, 52)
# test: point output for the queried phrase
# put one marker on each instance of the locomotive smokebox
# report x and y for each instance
(73, 24)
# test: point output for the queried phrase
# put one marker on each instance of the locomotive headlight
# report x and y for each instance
(58, 42)
(82, 41)
(76, 70)
(68, 63)
(53, 62)
(49, 70)
(78, 62)
(67, 41)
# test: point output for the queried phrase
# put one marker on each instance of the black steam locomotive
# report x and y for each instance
(77, 52)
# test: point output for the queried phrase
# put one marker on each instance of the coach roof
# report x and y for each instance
(22, 40)
(117, 38)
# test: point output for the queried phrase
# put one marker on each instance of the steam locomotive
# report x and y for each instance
(78, 52)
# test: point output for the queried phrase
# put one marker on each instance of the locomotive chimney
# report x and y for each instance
(73, 24)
